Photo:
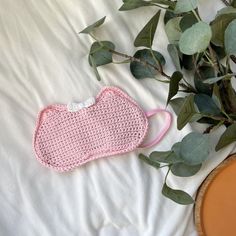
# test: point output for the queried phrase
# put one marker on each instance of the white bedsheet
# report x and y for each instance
(44, 60)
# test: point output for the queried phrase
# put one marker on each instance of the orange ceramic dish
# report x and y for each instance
(215, 211)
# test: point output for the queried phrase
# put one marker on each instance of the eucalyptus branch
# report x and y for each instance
(145, 63)
(188, 88)
(219, 118)
(209, 129)
(167, 174)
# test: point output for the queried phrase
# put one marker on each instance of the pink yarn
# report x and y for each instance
(115, 124)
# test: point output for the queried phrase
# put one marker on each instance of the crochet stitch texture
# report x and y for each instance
(115, 124)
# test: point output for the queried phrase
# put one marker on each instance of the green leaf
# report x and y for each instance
(220, 51)
(91, 59)
(148, 161)
(187, 62)
(218, 27)
(174, 54)
(186, 112)
(133, 4)
(233, 4)
(217, 98)
(195, 148)
(176, 104)
(184, 170)
(214, 79)
(100, 53)
(90, 28)
(200, 76)
(176, 149)
(177, 196)
(185, 6)
(206, 105)
(169, 15)
(173, 30)
(174, 84)
(187, 21)
(165, 157)
(226, 10)
(195, 39)
(228, 137)
(141, 71)
(146, 35)
(230, 38)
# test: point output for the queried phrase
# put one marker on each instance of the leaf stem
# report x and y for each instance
(230, 121)
(167, 175)
(145, 63)
(196, 15)
(160, 70)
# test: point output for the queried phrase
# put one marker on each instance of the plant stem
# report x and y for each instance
(196, 15)
(145, 63)
(157, 5)
(167, 175)
(188, 88)
(160, 70)
(230, 121)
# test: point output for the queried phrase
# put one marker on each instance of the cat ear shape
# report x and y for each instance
(112, 124)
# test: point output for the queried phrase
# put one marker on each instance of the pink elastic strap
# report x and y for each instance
(163, 131)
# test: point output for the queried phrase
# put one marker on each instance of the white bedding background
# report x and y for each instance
(43, 60)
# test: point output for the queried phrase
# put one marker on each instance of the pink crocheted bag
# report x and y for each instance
(112, 123)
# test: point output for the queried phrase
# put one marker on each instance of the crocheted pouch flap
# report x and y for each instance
(69, 136)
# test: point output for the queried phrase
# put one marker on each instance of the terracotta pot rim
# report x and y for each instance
(202, 190)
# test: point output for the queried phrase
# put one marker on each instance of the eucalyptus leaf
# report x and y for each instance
(220, 51)
(174, 84)
(177, 196)
(169, 14)
(146, 35)
(141, 71)
(174, 54)
(185, 6)
(100, 53)
(176, 104)
(148, 161)
(195, 39)
(226, 10)
(176, 149)
(230, 38)
(228, 137)
(187, 21)
(195, 148)
(183, 170)
(133, 4)
(173, 30)
(90, 28)
(164, 157)
(218, 27)
(214, 79)
(187, 62)
(200, 76)
(233, 3)
(216, 97)
(206, 105)
(186, 112)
